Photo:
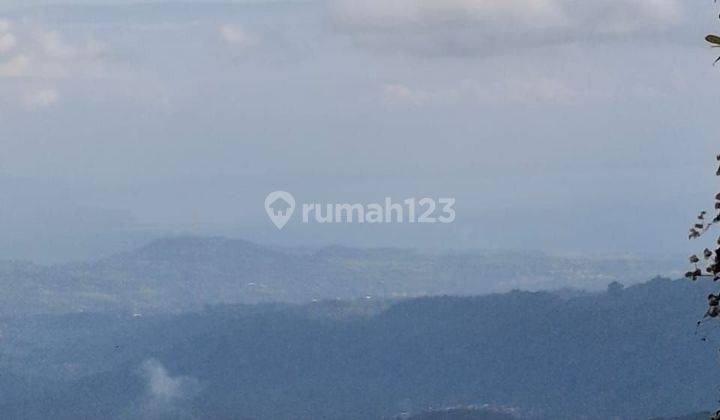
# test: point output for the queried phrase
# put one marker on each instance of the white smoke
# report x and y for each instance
(166, 396)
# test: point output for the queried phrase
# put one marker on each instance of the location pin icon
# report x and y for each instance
(280, 206)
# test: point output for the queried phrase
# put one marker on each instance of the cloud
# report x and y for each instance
(476, 27)
(40, 98)
(53, 46)
(7, 42)
(44, 54)
(236, 35)
(15, 66)
(512, 89)
(166, 396)
(40, 56)
(527, 89)
(7, 39)
(401, 94)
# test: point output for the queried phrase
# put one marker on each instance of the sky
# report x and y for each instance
(565, 126)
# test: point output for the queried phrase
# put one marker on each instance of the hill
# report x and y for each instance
(464, 414)
(187, 273)
(628, 354)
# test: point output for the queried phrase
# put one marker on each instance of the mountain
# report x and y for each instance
(186, 273)
(696, 416)
(629, 354)
(464, 414)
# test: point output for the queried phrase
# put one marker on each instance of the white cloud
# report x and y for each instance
(40, 98)
(236, 35)
(165, 395)
(44, 54)
(421, 12)
(52, 45)
(7, 39)
(401, 94)
(38, 56)
(515, 89)
(160, 383)
(464, 27)
(524, 89)
(53, 57)
(15, 66)
(7, 42)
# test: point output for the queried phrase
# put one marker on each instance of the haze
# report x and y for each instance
(572, 127)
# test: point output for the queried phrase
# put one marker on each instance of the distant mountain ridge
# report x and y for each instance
(186, 273)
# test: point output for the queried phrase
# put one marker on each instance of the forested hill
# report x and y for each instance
(628, 353)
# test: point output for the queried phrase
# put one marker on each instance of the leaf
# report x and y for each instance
(713, 39)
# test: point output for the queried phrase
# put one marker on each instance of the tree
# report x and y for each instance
(708, 263)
